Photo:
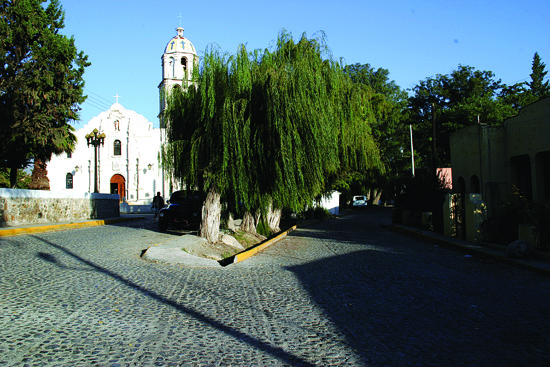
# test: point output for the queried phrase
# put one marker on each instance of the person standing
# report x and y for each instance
(158, 204)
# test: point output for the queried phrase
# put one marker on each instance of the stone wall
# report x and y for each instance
(21, 207)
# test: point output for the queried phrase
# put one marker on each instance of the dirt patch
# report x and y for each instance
(220, 250)
(248, 240)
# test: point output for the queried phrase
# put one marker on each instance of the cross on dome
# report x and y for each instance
(117, 97)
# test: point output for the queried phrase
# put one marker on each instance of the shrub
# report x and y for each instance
(520, 210)
(425, 192)
(321, 213)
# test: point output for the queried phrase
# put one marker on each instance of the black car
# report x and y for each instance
(184, 211)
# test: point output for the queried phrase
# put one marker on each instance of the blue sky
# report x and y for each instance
(413, 39)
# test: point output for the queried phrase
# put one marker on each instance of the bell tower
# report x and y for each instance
(178, 62)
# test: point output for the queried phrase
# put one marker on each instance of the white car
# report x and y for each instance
(359, 202)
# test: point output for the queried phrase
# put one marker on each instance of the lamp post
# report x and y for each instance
(95, 138)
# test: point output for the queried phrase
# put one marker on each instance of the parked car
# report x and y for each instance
(184, 211)
(359, 202)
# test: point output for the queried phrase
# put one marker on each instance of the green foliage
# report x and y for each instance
(41, 82)
(425, 192)
(462, 98)
(538, 88)
(263, 229)
(321, 213)
(269, 127)
(523, 94)
(386, 101)
(22, 182)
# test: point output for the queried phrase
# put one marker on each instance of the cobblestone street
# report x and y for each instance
(346, 292)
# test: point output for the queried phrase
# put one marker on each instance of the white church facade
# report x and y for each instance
(129, 161)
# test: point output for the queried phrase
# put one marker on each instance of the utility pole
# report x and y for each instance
(434, 160)
(412, 149)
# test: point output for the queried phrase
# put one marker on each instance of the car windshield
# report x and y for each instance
(357, 198)
(185, 196)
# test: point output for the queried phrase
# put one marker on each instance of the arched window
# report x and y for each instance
(460, 185)
(69, 181)
(117, 148)
(171, 67)
(184, 63)
(474, 185)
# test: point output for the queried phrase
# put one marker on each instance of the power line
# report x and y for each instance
(104, 99)
(94, 105)
(97, 101)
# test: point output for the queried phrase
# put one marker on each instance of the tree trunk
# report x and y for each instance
(248, 223)
(39, 177)
(257, 217)
(230, 221)
(13, 177)
(274, 219)
(211, 210)
(376, 197)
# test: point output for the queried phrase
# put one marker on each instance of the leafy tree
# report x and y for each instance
(23, 179)
(270, 129)
(525, 93)
(462, 98)
(538, 88)
(378, 80)
(387, 101)
(41, 83)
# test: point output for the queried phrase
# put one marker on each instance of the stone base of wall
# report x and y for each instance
(21, 207)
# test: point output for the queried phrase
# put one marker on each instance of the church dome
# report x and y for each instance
(180, 44)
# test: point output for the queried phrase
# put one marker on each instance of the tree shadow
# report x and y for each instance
(254, 342)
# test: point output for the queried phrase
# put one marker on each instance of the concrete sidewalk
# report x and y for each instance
(538, 262)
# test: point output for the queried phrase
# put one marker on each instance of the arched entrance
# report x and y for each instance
(118, 186)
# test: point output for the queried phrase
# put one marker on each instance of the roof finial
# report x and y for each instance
(117, 97)
(180, 28)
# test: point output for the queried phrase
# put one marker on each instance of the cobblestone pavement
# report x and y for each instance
(339, 293)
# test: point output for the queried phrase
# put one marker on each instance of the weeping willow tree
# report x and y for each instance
(268, 129)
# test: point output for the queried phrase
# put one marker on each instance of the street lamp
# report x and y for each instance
(95, 138)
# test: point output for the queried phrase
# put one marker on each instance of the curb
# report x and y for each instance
(470, 249)
(60, 227)
(254, 250)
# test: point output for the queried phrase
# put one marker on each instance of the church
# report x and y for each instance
(129, 161)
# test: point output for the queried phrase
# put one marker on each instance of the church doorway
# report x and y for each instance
(118, 186)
